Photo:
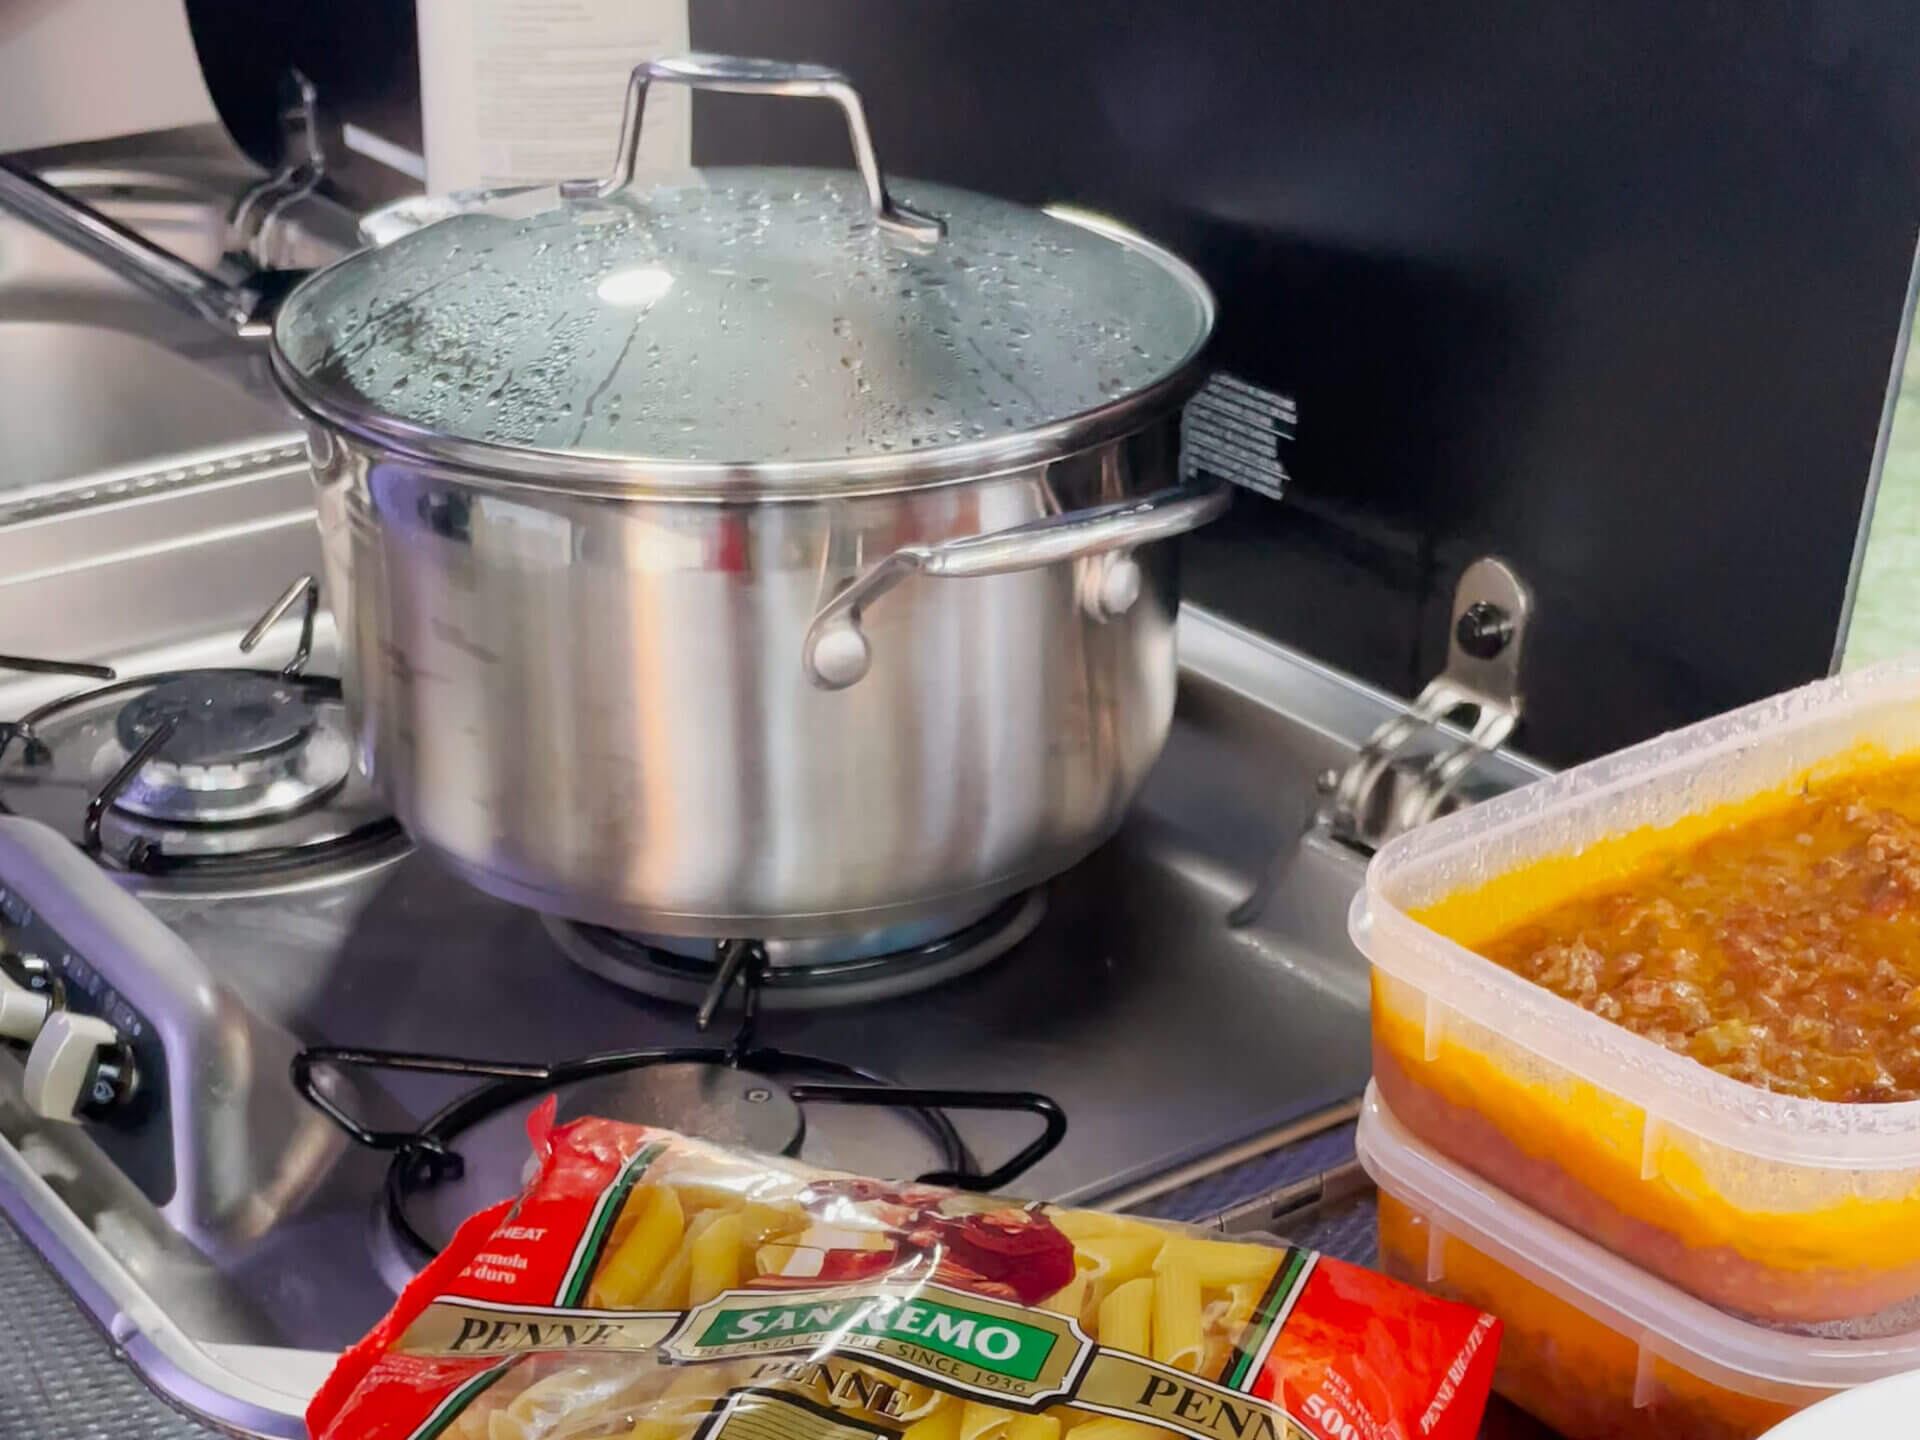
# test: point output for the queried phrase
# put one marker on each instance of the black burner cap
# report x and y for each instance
(714, 1101)
(223, 718)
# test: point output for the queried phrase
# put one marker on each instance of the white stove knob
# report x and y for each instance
(63, 1066)
(22, 1011)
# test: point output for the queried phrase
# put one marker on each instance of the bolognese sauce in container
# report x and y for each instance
(1594, 1347)
(1672, 999)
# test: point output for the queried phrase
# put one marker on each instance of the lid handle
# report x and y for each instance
(739, 75)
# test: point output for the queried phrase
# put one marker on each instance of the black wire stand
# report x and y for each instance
(145, 855)
(427, 1156)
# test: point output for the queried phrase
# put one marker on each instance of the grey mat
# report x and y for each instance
(60, 1378)
(1346, 1232)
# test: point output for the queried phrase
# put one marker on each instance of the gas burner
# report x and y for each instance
(473, 1153)
(243, 747)
(209, 779)
(803, 974)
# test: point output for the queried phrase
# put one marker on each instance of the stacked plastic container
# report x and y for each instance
(1791, 1223)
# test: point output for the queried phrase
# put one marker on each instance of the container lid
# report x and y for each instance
(1731, 1352)
(779, 325)
(1771, 744)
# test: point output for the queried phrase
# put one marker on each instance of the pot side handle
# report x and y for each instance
(740, 75)
(836, 651)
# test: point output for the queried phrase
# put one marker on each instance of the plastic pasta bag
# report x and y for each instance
(650, 1287)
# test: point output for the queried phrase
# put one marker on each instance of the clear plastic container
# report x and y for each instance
(1791, 1210)
(1592, 1346)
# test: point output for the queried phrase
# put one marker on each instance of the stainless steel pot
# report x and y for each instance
(859, 634)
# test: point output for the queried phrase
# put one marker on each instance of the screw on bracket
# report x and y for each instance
(1484, 629)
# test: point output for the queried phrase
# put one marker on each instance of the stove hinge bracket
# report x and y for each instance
(1382, 793)
(1294, 1206)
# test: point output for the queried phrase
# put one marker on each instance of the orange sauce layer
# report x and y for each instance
(1565, 1366)
(1783, 950)
(1775, 930)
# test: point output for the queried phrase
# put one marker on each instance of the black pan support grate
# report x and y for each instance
(427, 1156)
(146, 856)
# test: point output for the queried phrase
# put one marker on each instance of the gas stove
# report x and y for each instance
(276, 1056)
(210, 778)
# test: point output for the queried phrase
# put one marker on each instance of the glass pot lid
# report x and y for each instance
(795, 328)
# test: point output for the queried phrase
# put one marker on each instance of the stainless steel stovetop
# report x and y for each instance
(223, 1233)
(1166, 1036)
(226, 1237)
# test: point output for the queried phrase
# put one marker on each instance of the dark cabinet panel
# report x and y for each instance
(1612, 289)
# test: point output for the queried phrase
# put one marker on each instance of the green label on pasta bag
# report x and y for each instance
(958, 1341)
(1009, 1347)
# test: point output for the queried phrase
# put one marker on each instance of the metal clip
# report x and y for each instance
(303, 166)
(1374, 798)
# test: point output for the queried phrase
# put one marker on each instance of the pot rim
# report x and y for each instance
(598, 474)
(502, 483)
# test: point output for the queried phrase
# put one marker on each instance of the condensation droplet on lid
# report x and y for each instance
(987, 303)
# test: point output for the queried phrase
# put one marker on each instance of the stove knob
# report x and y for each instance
(22, 1011)
(77, 1063)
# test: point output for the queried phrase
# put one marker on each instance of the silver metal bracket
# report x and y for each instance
(1378, 796)
(302, 167)
(1372, 802)
(240, 295)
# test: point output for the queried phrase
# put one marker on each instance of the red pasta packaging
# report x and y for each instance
(650, 1287)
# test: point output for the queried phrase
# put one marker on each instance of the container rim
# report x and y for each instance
(1670, 1088)
(1592, 1280)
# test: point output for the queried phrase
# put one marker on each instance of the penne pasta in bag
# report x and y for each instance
(981, 1421)
(714, 1260)
(1119, 1255)
(1034, 1427)
(646, 1286)
(1178, 1338)
(1125, 1317)
(942, 1424)
(649, 1241)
